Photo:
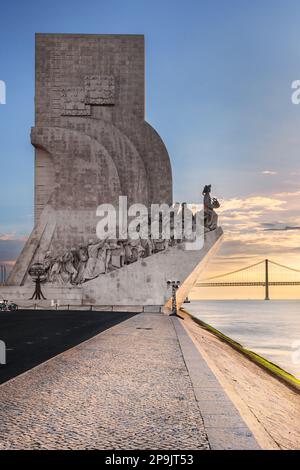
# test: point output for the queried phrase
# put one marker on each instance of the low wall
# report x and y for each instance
(21, 295)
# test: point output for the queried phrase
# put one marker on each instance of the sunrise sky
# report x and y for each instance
(218, 82)
(257, 227)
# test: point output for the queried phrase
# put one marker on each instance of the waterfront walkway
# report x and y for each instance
(142, 384)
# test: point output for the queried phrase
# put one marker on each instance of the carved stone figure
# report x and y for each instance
(147, 246)
(69, 272)
(55, 273)
(210, 216)
(128, 252)
(111, 246)
(100, 264)
(159, 245)
(91, 268)
(118, 255)
(48, 263)
(137, 250)
(83, 257)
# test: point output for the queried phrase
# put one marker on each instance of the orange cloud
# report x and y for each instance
(13, 236)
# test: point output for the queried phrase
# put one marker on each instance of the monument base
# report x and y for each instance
(140, 285)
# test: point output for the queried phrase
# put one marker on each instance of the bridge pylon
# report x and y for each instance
(267, 296)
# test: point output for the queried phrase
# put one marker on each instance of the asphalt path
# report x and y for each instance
(34, 336)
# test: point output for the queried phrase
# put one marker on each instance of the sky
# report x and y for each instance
(218, 91)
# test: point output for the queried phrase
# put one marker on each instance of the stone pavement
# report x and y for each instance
(134, 386)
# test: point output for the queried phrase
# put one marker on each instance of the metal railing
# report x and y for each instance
(98, 308)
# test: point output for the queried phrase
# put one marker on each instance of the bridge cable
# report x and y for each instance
(233, 272)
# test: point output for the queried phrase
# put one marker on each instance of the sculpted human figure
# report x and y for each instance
(128, 252)
(209, 204)
(116, 255)
(121, 253)
(111, 247)
(159, 244)
(83, 257)
(92, 249)
(100, 265)
(137, 249)
(147, 246)
(69, 272)
(48, 263)
(56, 270)
(75, 254)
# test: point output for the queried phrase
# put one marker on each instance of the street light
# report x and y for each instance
(174, 285)
(38, 275)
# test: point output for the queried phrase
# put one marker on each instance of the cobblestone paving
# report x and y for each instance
(126, 388)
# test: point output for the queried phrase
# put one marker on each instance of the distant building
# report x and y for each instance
(2, 274)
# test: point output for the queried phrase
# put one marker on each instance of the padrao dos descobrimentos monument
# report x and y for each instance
(93, 146)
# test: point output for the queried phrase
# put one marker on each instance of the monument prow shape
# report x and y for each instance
(92, 145)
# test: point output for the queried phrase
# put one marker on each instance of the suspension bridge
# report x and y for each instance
(264, 273)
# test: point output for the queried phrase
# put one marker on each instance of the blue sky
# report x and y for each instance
(218, 79)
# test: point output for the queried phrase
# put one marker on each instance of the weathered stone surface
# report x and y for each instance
(92, 143)
(95, 86)
(145, 281)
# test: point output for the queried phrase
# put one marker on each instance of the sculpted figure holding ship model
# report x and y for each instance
(209, 204)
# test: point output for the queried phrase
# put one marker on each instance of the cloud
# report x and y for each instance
(287, 194)
(269, 172)
(278, 227)
(258, 226)
(13, 236)
(259, 204)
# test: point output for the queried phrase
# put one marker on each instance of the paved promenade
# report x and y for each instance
(139, 385)
(34, 336)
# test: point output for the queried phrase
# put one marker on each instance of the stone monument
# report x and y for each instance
(92, 145)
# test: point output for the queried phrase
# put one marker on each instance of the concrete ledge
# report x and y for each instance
(152, 308)
(272, 368)
(124, 308)
(224, 425)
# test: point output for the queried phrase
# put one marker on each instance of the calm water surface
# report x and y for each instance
(270, 328)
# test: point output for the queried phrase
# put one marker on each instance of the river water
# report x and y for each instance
(269, 328)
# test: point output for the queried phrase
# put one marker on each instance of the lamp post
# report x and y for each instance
(174, 285)
(37, 273)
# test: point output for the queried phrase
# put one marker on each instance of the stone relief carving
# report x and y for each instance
(100, 90)
(87, 262)
(99, 257)
(73, 102)
(97, 90)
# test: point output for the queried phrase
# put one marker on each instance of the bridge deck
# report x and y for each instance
(252, 271)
